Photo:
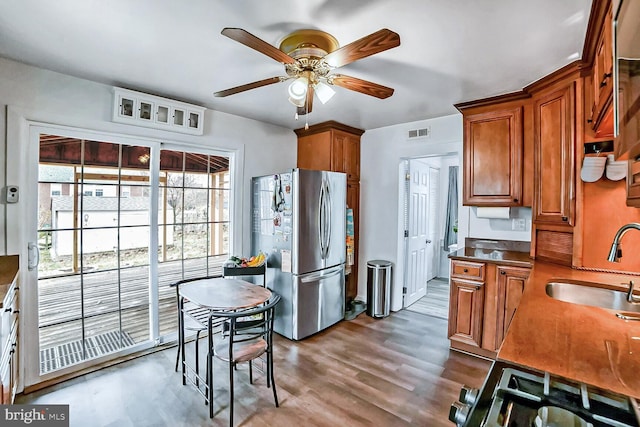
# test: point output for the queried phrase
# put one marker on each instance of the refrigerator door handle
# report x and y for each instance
(320, 276)
(321, 220)
(328, 219)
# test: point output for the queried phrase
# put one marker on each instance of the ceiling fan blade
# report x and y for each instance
(362, 86)
(373, 43)
(308, 102)
(248, 39)
(248, 86)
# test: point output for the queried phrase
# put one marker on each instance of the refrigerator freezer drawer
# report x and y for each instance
(318, 301)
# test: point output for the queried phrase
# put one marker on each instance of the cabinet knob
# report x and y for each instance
(589, 121)
(603, 82)
(16, 311)
(7, 310)
(503, 272)
(466, 270)
(564, 218)
(515, 200)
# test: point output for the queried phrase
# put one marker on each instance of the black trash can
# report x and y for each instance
(378, 288)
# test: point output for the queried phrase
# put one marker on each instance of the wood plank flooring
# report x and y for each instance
(394, 371)
(436, 301)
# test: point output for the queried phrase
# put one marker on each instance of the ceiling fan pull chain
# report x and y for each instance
(306, 116)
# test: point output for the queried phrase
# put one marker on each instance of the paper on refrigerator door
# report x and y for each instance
(285, 265)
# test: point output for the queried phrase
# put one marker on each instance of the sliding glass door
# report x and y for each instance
(114, 230)
(193, 223)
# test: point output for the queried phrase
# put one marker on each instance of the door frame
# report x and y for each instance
(401, 274)
(23, 129)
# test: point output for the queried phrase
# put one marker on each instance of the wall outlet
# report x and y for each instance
(518, 224)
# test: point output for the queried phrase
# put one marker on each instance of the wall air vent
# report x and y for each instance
(420, 133)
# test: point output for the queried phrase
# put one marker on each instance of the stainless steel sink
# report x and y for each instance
(591, 295)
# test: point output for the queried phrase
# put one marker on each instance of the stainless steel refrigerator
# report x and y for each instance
(299, 221)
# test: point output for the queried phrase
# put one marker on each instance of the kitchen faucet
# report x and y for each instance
(616, 253)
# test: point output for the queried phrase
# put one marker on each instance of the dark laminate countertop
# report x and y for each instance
(507, 257)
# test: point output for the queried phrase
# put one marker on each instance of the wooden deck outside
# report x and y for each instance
(59, 301)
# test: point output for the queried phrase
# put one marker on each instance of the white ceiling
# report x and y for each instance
(451, 50)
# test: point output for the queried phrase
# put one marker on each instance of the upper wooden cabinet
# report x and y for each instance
(600, 114)
(493, 152)
(554, 141)
(330, 146)
(598, 66)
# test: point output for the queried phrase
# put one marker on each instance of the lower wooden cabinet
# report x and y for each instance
(483, 300)
(511, 281)
(466, 307)
(9, 344)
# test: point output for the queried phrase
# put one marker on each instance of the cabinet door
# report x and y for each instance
(602, 77)
(337, 153)
(554, 135)
(511, 281)
(465, 311)
(493, 147)
(351, 154)
(314, 151)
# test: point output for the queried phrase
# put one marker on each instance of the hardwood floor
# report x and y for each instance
(394, 371)
(436, 301)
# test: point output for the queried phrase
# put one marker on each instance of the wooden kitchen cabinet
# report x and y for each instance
(330, 146)
(493, 152)
(466, 304)
(599, 115)
(333, 146)
(554, 158)
(511, 281)
(466, 311)
(483, 299)
(9, 343)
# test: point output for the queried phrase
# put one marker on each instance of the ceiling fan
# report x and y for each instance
(309, 56)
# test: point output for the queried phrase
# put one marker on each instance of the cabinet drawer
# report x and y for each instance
(468, 270)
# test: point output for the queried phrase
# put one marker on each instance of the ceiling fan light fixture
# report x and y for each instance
(298, 88)
(298, 102)
(324, 92)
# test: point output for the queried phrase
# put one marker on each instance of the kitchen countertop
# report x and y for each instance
(8, 272)
(507, 257)
(577, 342)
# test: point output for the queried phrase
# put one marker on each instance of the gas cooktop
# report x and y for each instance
(515, 397)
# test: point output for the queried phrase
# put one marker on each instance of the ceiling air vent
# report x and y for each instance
(420, 133)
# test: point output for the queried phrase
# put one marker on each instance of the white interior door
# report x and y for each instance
(433, 258)
(418, 232)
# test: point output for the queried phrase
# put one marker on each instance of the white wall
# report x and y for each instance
(32, 94)
(382, 150)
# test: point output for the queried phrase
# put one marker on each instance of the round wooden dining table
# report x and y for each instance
(215, 294)
(222, 294)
